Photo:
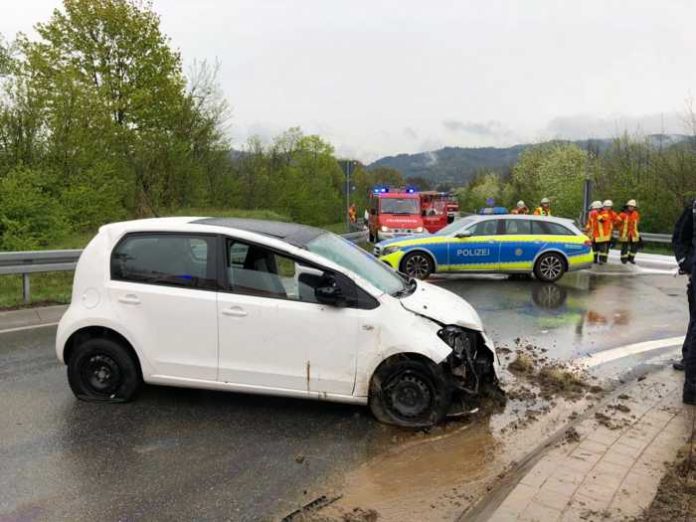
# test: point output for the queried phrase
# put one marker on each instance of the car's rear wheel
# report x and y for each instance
(549, 267)
(101, 369)
(409, 393)
(417, 264)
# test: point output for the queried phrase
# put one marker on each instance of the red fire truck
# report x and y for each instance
(394, 212)
(438, 210)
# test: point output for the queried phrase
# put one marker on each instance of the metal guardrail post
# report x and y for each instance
(26, 288)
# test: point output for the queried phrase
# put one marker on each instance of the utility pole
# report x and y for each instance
(587, 189)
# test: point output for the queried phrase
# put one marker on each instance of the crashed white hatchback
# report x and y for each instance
(265, 307)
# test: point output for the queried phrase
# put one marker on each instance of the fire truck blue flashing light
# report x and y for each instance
(380, 190)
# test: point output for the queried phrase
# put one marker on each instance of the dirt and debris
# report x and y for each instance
(553, 378)
(300, 459)
(619, 407)
(676, 494)
(624, 397)
(360, 515)
(571, 436)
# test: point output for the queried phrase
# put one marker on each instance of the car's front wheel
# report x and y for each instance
(101, 369)
(417, 264)
(549, 267)
(409, 393)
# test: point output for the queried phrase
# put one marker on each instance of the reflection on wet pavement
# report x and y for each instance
(582, 313)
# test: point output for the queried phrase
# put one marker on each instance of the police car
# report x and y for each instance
(545, 246)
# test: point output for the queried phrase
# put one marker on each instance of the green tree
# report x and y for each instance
(556, 171)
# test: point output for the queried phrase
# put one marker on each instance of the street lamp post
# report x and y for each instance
(348, 170)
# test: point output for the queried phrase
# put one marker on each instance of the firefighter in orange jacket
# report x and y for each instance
(352, 214)
(544, 209)
(629, 237)
(592, 226)
(606, 218)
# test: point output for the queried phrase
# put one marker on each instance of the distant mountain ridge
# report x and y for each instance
(459, 165)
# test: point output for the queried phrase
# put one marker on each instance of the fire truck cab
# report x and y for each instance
(394, 212)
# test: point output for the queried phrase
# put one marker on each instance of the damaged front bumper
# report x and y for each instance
(470, 368)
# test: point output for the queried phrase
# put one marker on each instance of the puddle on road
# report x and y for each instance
(439, 475)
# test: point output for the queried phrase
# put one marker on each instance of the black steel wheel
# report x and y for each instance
(409, 393)
(549, 267)
(101, 369)
(417, 264)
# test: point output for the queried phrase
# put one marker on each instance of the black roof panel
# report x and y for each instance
(298, 235)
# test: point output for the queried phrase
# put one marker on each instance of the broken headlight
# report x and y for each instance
(462, 342)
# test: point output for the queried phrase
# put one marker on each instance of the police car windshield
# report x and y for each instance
(456, 226)
(399, 206)
(355, 259)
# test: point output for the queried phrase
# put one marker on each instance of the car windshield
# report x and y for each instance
(456, 226)
(399, 206)
(354, 258)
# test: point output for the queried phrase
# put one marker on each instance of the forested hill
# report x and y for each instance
(458, 165)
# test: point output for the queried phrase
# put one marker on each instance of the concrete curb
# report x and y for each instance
(28, 317)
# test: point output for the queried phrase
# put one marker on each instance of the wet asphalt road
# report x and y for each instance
(189, 454)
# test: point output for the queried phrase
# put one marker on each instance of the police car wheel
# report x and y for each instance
(417, 264)
(549, 268)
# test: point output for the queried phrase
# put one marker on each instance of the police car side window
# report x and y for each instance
(547, 228)
(485, 228)
(518, 226)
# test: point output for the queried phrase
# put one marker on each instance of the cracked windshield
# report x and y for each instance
(347, 261)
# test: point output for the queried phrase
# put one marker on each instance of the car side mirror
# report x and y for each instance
(329, 292)
(464, 234)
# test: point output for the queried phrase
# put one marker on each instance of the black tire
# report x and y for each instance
(409, 393)
(103, 370)
(417, 264)
(549, 267)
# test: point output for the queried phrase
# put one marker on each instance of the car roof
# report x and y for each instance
(552, 219)
(293, 233)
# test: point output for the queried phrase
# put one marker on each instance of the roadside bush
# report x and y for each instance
(30, 215)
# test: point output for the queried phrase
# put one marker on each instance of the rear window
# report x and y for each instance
(518, 226)
(165, 259)
(548, 228)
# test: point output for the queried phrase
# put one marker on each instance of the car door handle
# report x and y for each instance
(129, 299)
(234, 311)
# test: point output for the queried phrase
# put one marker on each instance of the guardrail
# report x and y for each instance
(656, 238)
(38, 261)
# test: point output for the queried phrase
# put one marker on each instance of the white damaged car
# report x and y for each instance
(271, 308)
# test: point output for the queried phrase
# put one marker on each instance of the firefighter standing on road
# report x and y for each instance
(520, 209)
(627, 223)
(544, 209)
(684, 245)
(592, 226)
(606, 218)
(352, 214)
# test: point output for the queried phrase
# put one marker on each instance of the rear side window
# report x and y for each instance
(550, 229)
(166, 259)
(518, 226)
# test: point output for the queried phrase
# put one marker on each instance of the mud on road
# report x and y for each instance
(440, 474)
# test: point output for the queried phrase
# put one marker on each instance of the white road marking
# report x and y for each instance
(606, 356)
(22, 328)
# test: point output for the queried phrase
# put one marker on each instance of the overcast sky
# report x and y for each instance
(379, 77)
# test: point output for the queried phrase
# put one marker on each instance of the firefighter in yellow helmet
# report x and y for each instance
(544, 209)
(629, 237)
